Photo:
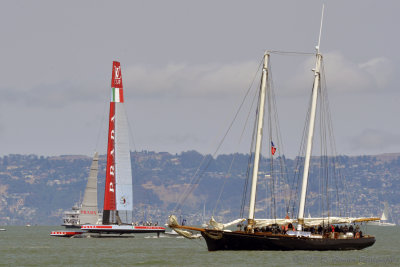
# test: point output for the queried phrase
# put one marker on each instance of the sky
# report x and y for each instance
(186, 66)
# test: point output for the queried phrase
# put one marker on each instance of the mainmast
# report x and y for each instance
(310, 130)
(260, 123)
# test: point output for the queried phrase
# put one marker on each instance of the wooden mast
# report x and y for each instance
(259, 133)
(310, 130)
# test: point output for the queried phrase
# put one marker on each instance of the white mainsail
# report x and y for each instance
(123, 170)
(384, 216)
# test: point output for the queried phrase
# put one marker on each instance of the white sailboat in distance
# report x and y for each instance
(87, 212)
(384, 218)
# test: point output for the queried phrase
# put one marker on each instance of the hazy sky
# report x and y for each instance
(186, 65)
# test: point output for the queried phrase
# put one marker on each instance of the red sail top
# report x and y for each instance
(109, 192)
(116, 96)
(116, 81)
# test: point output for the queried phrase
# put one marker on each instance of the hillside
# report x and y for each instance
(36, 189)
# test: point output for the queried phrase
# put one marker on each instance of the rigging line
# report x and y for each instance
(326, 132)
(223, 185)
(337, 173)
(322, 170)
(200, 243)
(226, 133)
(192, 179)
(261, 149)
(331, 166)
(279, 52)
(103, 118)
(298, 165)
(246, 182)
(221, 142)
(234, 156)
(305, 144)
(320, 177)
(282, 162)
(272, 187)
(301, 155)
(131, 132)
(321, 180)
(250, 160)
(326, 159)
(271, 162)
(324, 143)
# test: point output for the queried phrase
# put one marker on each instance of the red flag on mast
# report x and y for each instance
(273, 148)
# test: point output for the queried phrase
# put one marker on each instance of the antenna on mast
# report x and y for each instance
(320, 29)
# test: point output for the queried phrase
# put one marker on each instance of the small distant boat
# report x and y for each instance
(384, 218)
(71, 217)
(182, 234)
(87, 212)
(171, 233)
(1, 229)
(66, 233)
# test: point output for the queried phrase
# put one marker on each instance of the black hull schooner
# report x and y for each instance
(238, 240)
(294, 232)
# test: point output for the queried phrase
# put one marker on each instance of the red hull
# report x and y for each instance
(122, 229)
(65, 233)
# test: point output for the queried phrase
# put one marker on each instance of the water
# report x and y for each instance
(29, 246)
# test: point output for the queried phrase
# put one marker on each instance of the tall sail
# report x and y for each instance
(385, 212)
(88, 212)
(118, 187)
(118, 201)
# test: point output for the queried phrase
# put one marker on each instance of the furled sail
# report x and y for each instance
(309, 222)
(221, 226)
(88, 212)
(173, 223)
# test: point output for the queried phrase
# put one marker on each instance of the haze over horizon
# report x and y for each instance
(186, 66)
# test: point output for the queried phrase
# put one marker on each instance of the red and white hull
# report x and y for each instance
(65, 233)
(118, 187)
(122, 229)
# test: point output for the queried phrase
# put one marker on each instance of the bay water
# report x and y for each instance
(33, 246)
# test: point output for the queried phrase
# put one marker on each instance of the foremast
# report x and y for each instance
(311, 126)
(260, 123)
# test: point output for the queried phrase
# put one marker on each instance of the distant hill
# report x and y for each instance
(36, 189)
